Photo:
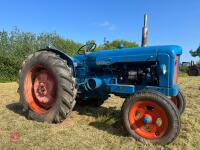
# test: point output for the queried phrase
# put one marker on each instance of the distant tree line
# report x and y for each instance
(16, 45)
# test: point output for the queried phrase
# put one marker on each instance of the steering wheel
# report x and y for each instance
(89, 47)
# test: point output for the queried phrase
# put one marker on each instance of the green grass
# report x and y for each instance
(91, 128)
(183, 74)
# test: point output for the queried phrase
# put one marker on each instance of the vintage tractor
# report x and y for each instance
(50, 83)
(194, 69)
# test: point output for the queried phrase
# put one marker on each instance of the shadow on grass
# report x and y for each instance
(16, 108)
(106, 119)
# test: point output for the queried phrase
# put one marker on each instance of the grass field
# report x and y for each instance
(90, 128)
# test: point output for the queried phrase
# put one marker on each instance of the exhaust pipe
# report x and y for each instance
(144, 32)
(92, 84)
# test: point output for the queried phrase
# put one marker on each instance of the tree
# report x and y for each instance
(116, 44)
(16, 45)
(196, 53)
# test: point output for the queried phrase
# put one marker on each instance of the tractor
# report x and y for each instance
(194, 69)
(51, 82)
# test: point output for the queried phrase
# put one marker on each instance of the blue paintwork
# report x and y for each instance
(108, 57)
(98, 84)
(164, 56)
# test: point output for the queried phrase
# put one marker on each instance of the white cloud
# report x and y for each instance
(108, 25)
(105, 24)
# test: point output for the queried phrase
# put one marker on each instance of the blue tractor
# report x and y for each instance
(51, 82)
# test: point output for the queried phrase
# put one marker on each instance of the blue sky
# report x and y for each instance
(170, 21)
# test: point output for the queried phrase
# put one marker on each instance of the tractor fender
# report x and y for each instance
(62, 55)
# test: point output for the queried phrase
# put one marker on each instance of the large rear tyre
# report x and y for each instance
(194, 71)
(46, 87)
(179, 101)
(151, 116)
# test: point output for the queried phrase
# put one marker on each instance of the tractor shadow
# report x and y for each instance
(16, 108)
(106, 119)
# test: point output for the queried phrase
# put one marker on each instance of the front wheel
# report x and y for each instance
(179, 101)
(46, 87)
(151, 116)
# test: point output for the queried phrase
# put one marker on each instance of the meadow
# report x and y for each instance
(91, 128)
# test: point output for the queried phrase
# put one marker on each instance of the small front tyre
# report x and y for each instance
(151, 116)
(179, 101)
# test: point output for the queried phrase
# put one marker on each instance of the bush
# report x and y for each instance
(184, 69)
(9, 67)
(16, 45)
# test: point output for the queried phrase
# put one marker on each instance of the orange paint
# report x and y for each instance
(175, 70)
(32, 81)
(175, 101)
(156, 113)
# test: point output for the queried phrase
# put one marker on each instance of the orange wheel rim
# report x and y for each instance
(39, 89)
(148, 119)
(175, 101)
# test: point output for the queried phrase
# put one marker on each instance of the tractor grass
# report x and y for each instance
(90, 128)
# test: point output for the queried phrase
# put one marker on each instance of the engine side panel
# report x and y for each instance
(126, 71)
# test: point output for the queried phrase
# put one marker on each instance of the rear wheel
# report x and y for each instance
(46, 87)
(151, 116)
(194, 71)
(179, 101)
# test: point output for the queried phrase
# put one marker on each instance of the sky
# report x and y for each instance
(170, 22)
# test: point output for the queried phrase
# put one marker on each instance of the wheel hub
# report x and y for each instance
(44, 88)
(147, 119)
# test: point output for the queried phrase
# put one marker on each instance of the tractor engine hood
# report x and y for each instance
(108, 57)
